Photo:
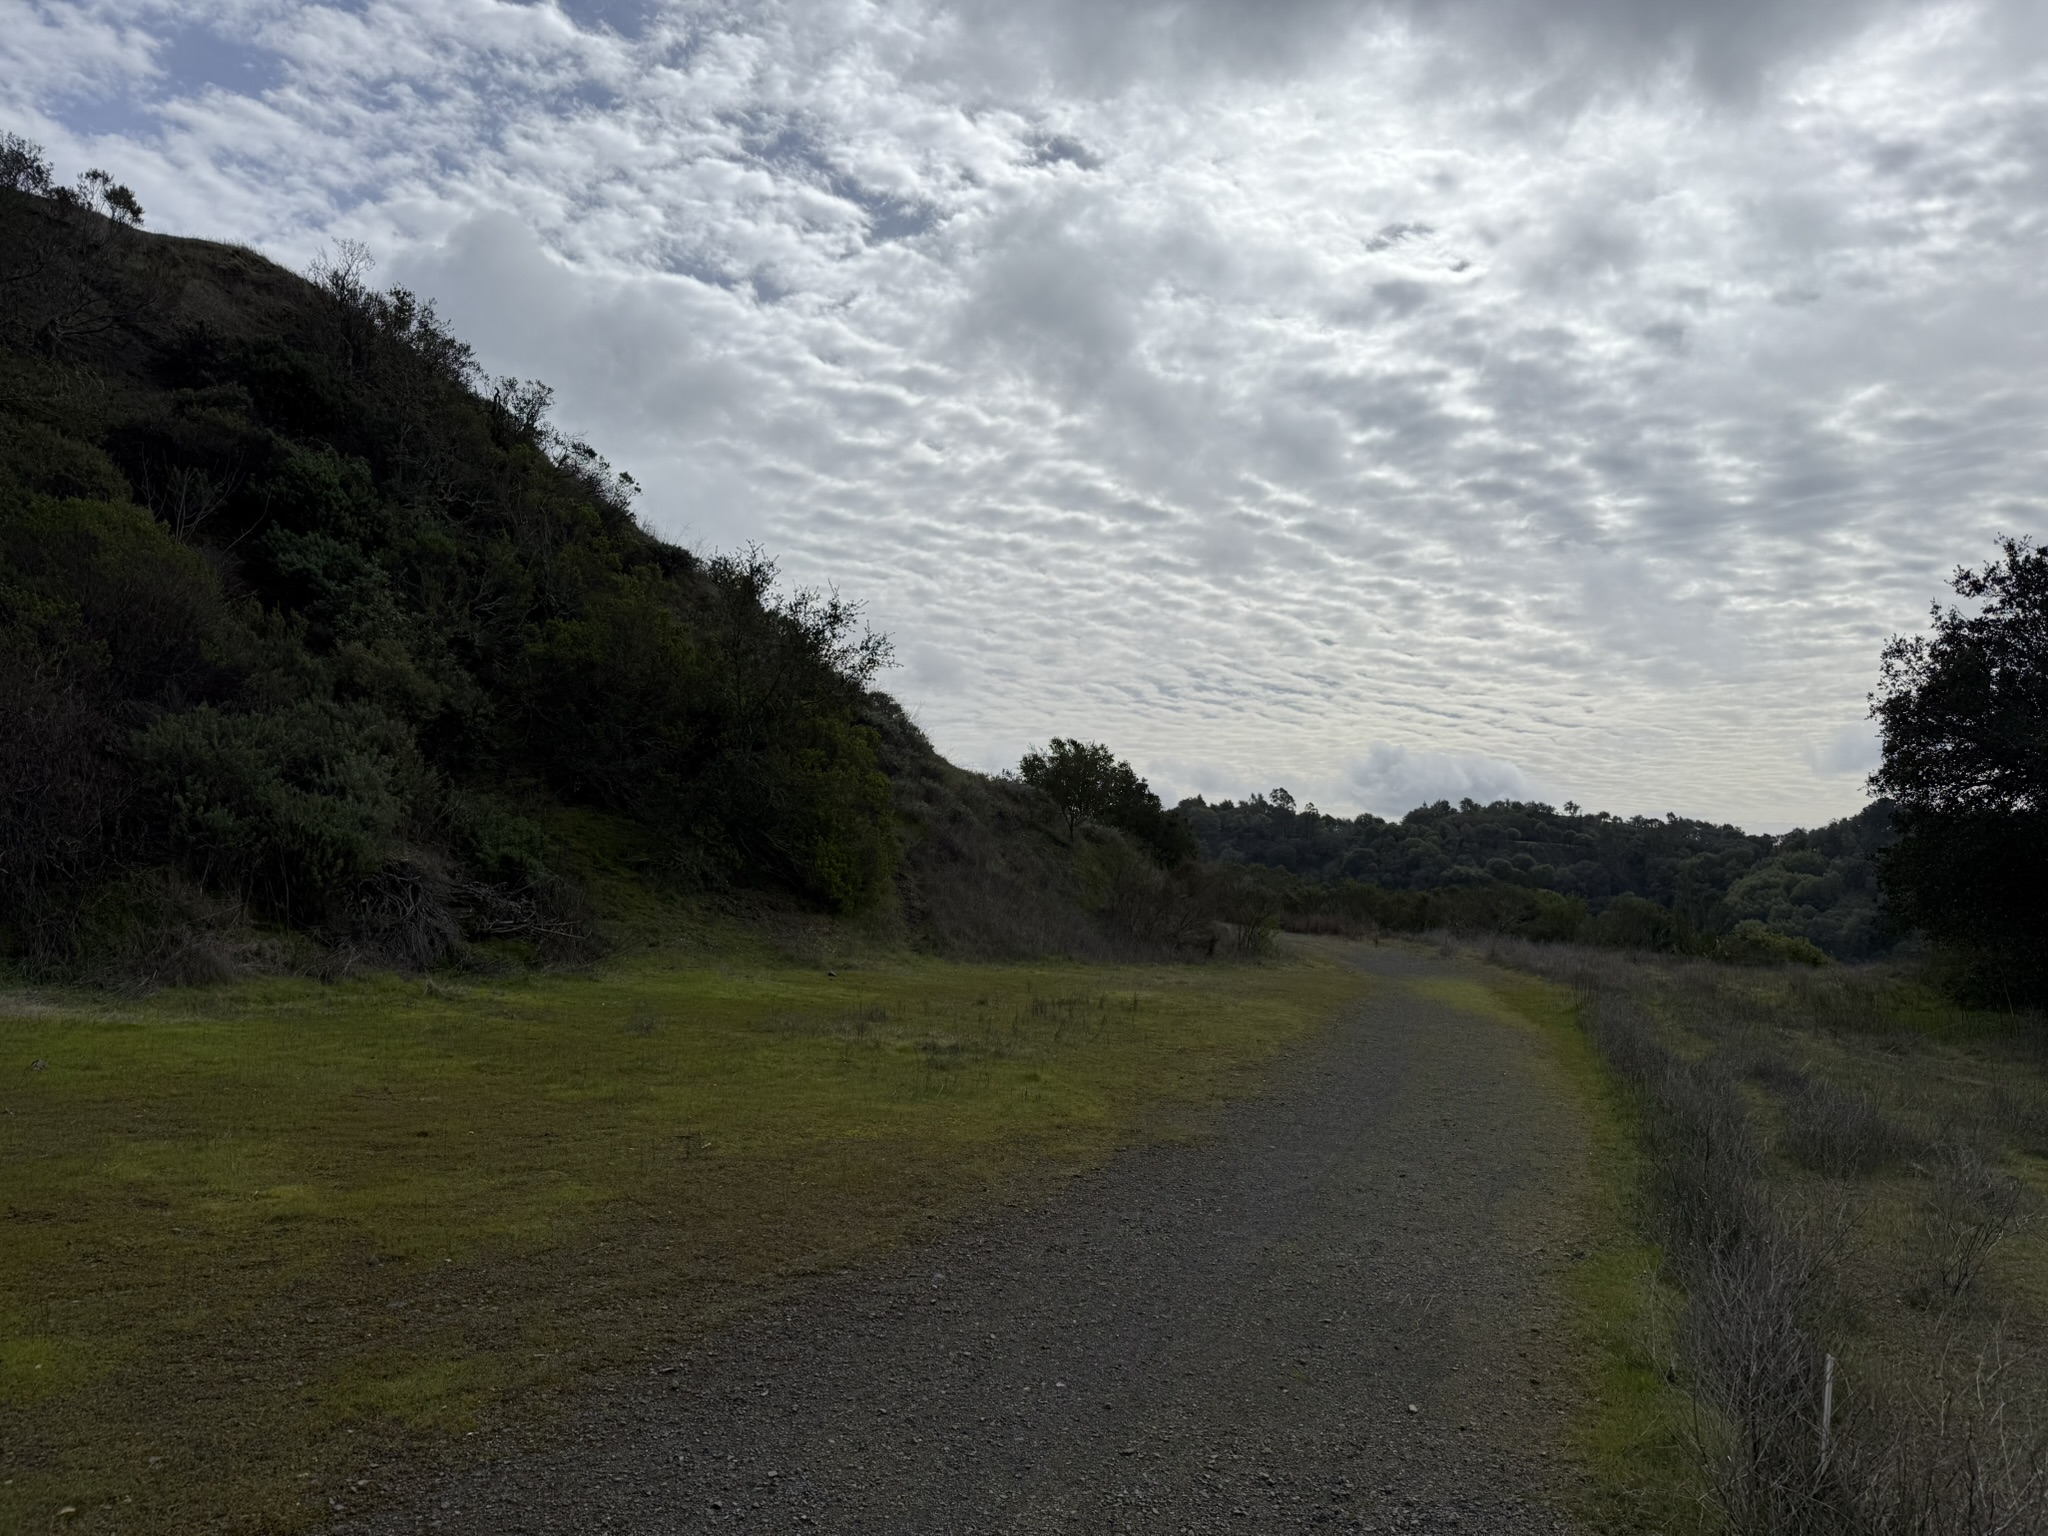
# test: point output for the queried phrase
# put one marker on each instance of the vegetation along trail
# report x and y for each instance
(1348, 1309)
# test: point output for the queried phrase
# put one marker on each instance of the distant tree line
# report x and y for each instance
(1819, 886)
(1953, 850)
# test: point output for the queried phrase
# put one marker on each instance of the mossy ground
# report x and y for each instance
(1636, 1473)
(260, 1237)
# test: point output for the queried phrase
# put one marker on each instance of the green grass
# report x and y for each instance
(257, 1239)
(1629, 1436)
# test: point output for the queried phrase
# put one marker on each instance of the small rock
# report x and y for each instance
(1413, 1409)
(39, 1065)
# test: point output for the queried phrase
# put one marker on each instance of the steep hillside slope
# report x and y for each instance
(305, 623)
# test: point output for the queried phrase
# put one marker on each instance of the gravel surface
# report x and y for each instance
(1339, 1313)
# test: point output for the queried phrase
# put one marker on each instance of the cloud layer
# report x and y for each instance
(1480, 396)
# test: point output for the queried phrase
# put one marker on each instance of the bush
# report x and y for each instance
(1840, 1134)
(155, 926)
(1088, 784)
(1971, 1207)
(1632, 922)
(295, 808)
(1750, 943)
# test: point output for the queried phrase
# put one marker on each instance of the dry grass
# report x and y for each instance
(1840, 1166)
(262, 1237)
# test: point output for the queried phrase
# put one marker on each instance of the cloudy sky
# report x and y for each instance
(1556, 398)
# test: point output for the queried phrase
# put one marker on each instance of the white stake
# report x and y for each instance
(1827, 1408)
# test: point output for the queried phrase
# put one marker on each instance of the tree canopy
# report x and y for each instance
(1962, 715)
(1963, 712)
(1819, 885)
(1086, 782)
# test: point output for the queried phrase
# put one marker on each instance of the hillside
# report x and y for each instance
(318, 644)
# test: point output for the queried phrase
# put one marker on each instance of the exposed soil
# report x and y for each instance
(1341, 1312)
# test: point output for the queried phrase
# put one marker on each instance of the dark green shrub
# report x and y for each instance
(1749, 942)
(295, 807)
(1631, 922)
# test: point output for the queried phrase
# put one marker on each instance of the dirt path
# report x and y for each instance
(1338, 1314)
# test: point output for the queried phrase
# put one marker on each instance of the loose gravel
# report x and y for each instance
(1340, 1312)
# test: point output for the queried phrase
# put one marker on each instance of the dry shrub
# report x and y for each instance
(1140, 903)
(2020, 1109)
(1949, 1455)
(1843, 1001)
(1948, 1452)
(1971, 1207)
(1840, 1133)
(551, 915)
(1753, 1281)
(402, 917)
(1762, 1065)
(155, 928)
(1705, 1170)
(1755, 1367)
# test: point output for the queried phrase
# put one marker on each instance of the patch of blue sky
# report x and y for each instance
(195, 59)
(626, 18)
(190, 62)
(124, 115)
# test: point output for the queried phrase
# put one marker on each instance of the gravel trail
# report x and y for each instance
(1339, 1313)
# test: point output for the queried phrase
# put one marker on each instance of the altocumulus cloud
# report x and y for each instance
(1434, 397)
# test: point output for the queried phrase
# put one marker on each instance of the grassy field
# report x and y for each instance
(261, 1240)
(1846, 1176)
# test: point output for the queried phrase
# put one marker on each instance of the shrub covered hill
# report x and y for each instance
(1633, 881)
(313, 638)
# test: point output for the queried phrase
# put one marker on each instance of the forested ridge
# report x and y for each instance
(1819, 885)
(1948, 857)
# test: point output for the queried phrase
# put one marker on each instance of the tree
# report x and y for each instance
(1962, 715)
(23, 166)
(104, 195)
(1074, 775)
(1086, 782)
